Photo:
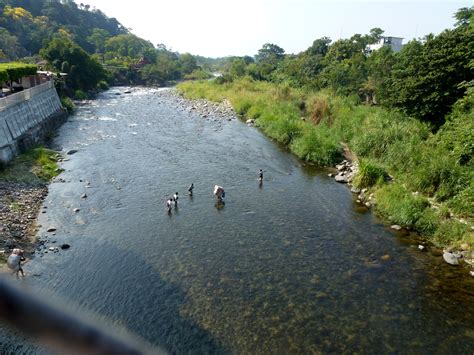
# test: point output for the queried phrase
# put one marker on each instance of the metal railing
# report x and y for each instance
(24, 95)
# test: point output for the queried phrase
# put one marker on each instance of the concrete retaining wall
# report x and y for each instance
(24, 124)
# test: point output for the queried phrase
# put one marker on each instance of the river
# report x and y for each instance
(294, 265)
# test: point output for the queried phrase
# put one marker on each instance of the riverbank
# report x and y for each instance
(411, 177)
(23, 189)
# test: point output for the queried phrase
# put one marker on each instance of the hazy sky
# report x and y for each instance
(216, 28)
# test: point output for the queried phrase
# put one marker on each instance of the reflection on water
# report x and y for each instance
(290, 265)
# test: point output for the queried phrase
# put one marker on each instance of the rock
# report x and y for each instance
(465, 246)
(396, 227)
(330, 174)
(385, 257)
(76, 210)
(471, 273)
(355, 190)
(71, 151)
(250, 121)
(51, 248)
(341, 178)
(65, 246)
(421, 247)
(127, 92)
(51, 229)
(450, 258)
(84, 195)
(368, 204)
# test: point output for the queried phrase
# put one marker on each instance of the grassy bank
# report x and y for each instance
(22, 190)
(432, 190)
(36, 166)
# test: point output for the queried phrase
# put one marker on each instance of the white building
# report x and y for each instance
(394, 42)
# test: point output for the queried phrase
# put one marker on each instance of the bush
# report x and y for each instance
(369, 174)
(68, 104)
(397, 204)
(316, 146)
(102, 85)
(80, 95)
(319, 109)
(453, 232)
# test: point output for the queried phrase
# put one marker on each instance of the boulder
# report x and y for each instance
(71, 151)
(450, 258)
(341, 178)
(65, 246)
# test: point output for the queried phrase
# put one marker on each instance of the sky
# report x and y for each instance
(218, 28)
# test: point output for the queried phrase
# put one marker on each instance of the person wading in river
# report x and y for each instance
(190, 190)
(175, 199)
(169, 204)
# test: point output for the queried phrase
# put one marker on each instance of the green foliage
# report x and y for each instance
(369, 174)
(35, 166)
(425, 80)
(68, 104)
(401, 207)
(30, 24)
(85, 72)
(102, 85)
(14, 70)
(80, 95)
(127, 45)
(318, 146)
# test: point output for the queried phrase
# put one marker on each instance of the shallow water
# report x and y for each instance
(293, 265)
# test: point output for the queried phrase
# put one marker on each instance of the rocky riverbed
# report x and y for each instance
(19, 206)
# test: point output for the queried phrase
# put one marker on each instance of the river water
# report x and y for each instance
(290, 266)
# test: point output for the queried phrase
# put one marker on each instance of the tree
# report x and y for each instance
(237, 68)
(268, 58)
(464, 16)
(85, 73)
(319, 47)
(98, 38)
(270, 54)
(187, 63)
(428, 77)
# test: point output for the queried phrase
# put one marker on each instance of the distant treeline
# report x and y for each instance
(91, 48)
(424, 79)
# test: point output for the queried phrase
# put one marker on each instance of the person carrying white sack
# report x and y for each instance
(14, 261)
(219, 192)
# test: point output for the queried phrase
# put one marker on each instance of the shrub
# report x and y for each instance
(319, 110)
(399, 205)
(80, 95)
(102, 85)
(452, 232)
(316, 146)
(369, 174)
(68, 104)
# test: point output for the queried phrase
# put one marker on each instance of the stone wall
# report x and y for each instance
(25, 124)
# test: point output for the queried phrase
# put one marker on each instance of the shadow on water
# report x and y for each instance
(153, 309)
